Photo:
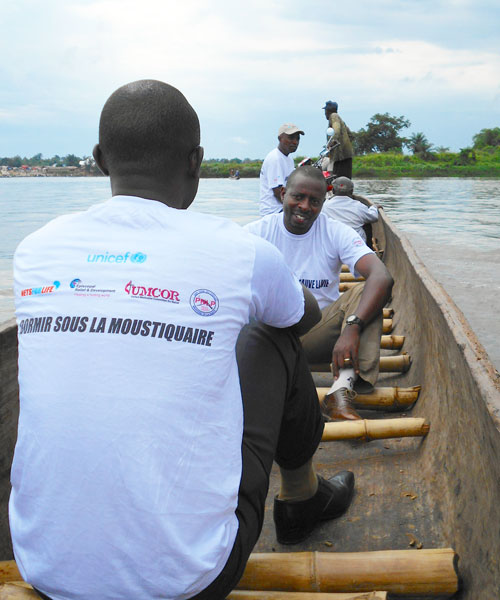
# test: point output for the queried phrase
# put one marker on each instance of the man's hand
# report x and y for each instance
(345, 351)
(376, 292)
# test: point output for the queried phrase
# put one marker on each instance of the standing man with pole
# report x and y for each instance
(341, 155)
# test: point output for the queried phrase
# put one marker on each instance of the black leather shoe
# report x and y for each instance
(295, 520)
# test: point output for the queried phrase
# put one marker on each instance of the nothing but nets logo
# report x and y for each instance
(46, 289)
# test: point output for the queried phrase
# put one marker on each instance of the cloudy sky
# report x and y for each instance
(247, 67)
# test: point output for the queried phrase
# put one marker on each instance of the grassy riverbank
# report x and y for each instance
(381, 165)
(385, 165)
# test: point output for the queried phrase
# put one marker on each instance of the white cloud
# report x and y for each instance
(251, 65)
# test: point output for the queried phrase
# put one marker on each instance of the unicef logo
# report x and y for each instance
(204, 303)
(138, 257)
(74, 283)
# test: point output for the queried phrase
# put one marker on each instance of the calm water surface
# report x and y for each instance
(454, 224)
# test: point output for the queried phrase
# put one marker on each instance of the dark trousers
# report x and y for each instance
(343, 168)
(282, 422)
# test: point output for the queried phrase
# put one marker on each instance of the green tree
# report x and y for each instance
(72, 161)
(487, 137)
(381, 134)
(35, 160)
(467, 156)
(15, 161)
(442, 149)
(419, 144)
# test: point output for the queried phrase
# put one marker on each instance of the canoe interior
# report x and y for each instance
(433, 492)
(438, 491)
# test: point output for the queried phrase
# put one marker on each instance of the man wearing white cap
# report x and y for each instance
(276, 168)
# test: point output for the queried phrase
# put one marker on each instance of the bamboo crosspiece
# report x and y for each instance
(17, 591)
(271, 595)
(395, 364)
(383, 398)
(375, 429)
(392, 342)
(407, 572)
(9, 571)
(386, 325)
(346, 277)
(388, 364)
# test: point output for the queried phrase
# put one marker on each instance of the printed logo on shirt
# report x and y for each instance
(204, 303)
(46, 289)
(152, 293)
(315, 284)
(358, 243)
(136, 257)
(90, 289)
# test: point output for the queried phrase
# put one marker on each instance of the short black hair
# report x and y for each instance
(306, 171)
(147, 125)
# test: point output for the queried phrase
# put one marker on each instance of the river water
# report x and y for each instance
(454, 225)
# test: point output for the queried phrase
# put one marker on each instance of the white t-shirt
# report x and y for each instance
(274, 172)
(351, 212)
(128, 461)
(316, 257)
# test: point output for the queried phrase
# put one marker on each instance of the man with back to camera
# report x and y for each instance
(315, 247)
(276, 168)
(143, 457)
(341, 155)
(343, 206)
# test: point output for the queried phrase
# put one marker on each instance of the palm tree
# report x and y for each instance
(419, 144)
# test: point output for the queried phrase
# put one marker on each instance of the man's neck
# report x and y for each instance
(170, 193)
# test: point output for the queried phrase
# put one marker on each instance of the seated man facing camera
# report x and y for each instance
(315, 247)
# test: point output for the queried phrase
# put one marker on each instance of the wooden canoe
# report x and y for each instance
(436, 491)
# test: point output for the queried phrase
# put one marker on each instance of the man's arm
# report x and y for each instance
(376, 293)
(277, 193)
(312, 314)
(361, 199)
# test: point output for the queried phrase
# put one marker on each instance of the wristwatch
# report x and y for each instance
(354, 320)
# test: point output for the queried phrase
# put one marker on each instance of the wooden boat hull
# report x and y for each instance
(434, 492)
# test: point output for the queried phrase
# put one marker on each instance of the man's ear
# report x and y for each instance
(282, 193)
(99, 159)
(195, 158)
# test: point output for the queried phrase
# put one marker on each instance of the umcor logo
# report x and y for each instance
(152, 293)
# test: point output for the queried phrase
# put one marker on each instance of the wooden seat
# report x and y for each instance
(383, 398)
(319, 575)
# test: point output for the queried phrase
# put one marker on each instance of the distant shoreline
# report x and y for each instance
(483, 163)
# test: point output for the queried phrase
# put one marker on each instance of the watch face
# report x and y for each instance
(354, 320)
